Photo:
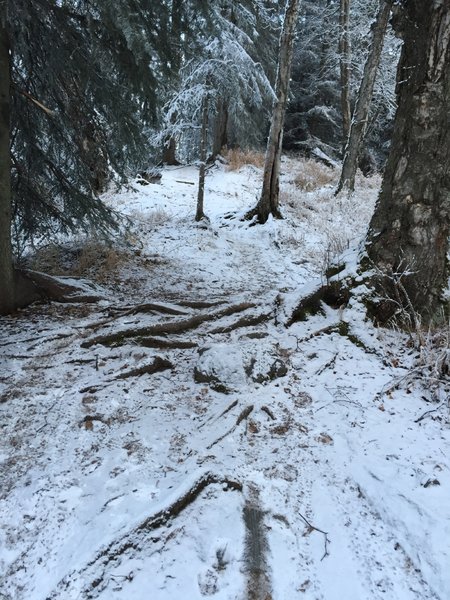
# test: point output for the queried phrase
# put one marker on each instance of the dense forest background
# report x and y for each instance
(93, 94)
(101, 92)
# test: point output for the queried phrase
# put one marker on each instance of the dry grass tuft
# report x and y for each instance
(314, 175)
(99, 260)
(93, 258)
(238, 158)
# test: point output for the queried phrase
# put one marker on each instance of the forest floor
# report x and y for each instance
(179, 440)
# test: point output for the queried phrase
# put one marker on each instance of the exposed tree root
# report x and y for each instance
(200, 303)
(120, 337)
(32, 286)
(138, 536)
(227, 410)
(148, 307)
(247, 321)
(243, 415)
(156, 307)
(334, 294)
(268, 412)
(158, 364)
(155, 342)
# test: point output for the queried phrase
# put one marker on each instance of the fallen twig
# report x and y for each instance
(325, 534)
(328, 365)
(223, 413)
(428, 412)
(243, 415)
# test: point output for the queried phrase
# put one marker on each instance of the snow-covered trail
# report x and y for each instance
(298, 484)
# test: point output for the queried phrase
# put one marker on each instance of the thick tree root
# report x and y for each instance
(137, 537)
(120, 337)
(148, 307)
(158, 364)
(334, 294)
(247, 321)
(200, 303)
(155, 342)
(32, 286)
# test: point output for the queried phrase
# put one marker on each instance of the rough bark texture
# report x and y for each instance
(409, 230)
(199, 215)
(345, 67)
(7, 295)
(361, 113)
(220, 128)
(268, 202)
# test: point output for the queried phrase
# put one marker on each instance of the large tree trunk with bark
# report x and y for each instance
(408, 236)
(345, 68)
(269, 200)
(7, 291)
(361, 112)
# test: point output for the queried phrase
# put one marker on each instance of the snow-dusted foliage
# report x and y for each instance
(314, 116)
(227, 70)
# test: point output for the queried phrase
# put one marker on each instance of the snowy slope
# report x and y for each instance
(128, 473)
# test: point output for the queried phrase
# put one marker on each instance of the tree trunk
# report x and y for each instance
(7, 291)
(220, 128)
(170, 145)
(408, 235)
(345, 68)
(269, 200)
(361, 113)
(170, 149)
(199, 215)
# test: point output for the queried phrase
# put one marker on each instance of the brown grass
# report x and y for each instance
(314, 175)
(94, 259)
(238, 158)
(99, 259)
